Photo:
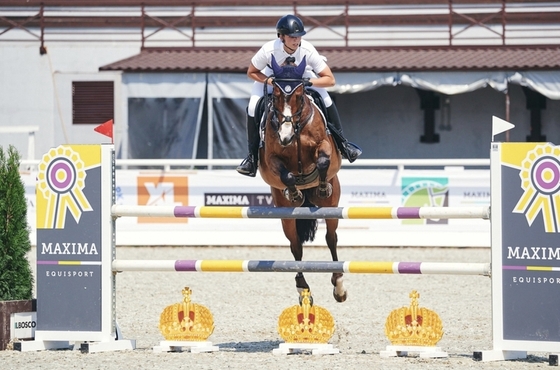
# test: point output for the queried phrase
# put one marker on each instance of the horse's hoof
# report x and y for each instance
(325, 192)
(297, 196)
(340, 298)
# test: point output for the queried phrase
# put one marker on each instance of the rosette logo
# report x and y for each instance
(540, 180)
(61, 181)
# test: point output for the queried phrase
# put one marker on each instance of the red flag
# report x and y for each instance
(106, 129)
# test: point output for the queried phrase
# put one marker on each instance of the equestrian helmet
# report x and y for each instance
(290, 25)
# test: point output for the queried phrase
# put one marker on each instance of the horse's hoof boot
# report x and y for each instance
(340, 298)
(325, 192)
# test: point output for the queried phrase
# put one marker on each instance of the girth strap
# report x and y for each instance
(302, 179)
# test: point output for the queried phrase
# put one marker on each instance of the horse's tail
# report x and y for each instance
(306, 228)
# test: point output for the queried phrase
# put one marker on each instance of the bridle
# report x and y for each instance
(296, 119)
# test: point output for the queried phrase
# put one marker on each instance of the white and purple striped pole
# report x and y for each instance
(361, 267)
(302, 212)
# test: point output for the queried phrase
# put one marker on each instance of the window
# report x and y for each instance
(92, 102)
(163, 127)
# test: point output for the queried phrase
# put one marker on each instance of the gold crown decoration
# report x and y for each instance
(413, 325)
(306, 323)
(186, 321)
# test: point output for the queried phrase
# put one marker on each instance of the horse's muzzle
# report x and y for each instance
(286, 140)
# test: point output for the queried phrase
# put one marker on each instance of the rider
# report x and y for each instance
(290, 44)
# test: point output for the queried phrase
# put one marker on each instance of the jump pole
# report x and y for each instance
(302, 212)
(359, 267)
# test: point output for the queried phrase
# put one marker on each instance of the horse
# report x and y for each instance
(299, 159)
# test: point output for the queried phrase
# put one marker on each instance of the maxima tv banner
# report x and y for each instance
(70, 245)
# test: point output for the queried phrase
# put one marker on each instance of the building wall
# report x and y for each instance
(36, 90)
(386, 122)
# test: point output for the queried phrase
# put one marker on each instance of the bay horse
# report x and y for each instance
(300, 162)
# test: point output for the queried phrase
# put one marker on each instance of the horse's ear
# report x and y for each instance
(275, 67)
(300, 70)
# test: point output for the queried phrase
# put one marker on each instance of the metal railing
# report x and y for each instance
(351, 23)
(220, 164)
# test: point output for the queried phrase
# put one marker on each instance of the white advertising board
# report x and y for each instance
(22, 325)
(450, 187)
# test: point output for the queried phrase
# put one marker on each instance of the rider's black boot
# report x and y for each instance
(249, 165)
(348, 150)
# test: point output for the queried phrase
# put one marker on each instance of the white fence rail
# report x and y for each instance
(366, 183)
(169, 164)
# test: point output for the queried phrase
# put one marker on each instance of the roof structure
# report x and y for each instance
(342, 59)
(335, 23)
(354, 35)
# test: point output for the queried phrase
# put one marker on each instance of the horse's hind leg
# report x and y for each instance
(297, 252)
(290, 231)
(289, 227)
(337, 280)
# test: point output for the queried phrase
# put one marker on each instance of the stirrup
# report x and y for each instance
(351, 151)
(248, 167)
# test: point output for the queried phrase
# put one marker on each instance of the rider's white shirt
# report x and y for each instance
(315, 62)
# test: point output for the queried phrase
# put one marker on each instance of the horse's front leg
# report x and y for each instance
(291, 193)
(324, 190)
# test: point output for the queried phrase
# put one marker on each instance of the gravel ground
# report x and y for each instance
(246, 307)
